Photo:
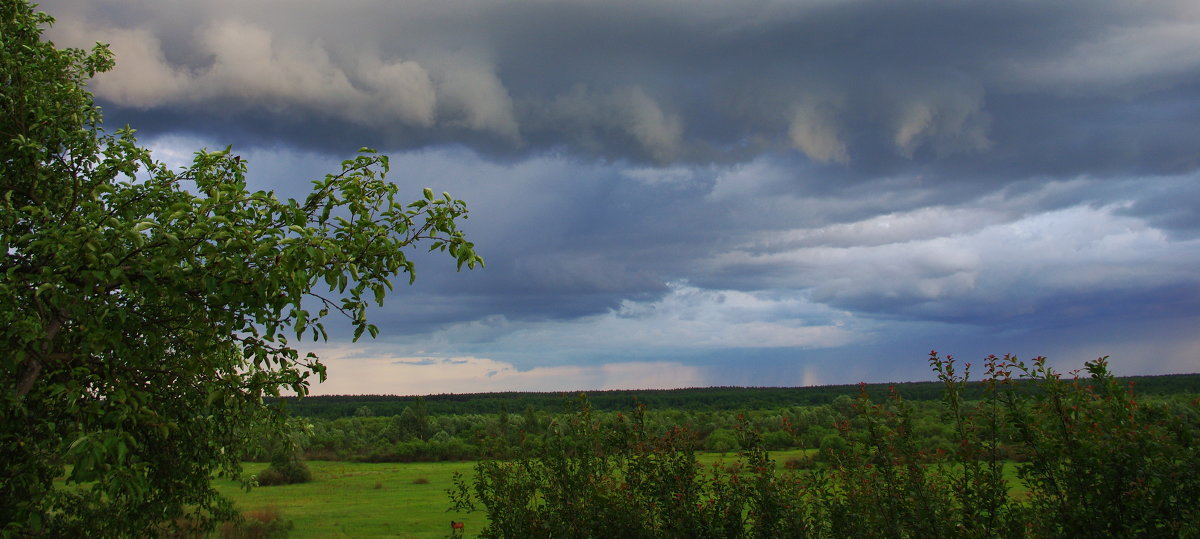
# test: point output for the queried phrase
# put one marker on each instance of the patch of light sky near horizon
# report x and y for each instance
(375, 368)
(427, 375)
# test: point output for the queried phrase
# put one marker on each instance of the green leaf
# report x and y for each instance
(167, 372)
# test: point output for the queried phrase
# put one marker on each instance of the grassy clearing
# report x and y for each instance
(347, 499)
(707, 459)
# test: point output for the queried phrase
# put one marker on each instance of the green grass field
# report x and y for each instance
(347, 499)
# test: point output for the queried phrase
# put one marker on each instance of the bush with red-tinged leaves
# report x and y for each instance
(262, 523)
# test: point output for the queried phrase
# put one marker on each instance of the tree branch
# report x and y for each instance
(32, 367)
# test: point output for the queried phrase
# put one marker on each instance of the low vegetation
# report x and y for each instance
(263, 523)
(1030, 453)
(1094, 462)
(407, 429)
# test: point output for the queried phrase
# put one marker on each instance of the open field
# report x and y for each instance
(348, 499)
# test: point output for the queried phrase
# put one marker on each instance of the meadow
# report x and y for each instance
(354, 499)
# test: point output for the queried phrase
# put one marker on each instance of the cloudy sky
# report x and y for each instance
(677, 193)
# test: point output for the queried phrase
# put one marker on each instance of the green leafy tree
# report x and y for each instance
(145, 312)
(286, 454)
(413, 422)
(723, 440)
(531, 424)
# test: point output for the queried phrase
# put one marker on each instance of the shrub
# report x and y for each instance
(833, 443)
(722, 440)
(806, 462)
(285, 473)
(262, 523)
(1096, 464)
(776, 440)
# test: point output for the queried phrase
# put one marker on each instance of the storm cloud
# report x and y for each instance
(884, 83)
(730, 191)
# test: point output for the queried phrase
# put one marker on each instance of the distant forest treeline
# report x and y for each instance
(691, 399)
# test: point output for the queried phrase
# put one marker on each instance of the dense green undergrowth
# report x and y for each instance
(1093, 461)
(453, 427)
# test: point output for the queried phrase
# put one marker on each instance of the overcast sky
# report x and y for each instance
(674, 193)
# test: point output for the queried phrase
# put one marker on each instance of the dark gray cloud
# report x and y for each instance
(1050, 88)
(1171, 207)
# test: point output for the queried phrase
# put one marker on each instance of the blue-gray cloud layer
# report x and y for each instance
(757, 180)
(1043, 87)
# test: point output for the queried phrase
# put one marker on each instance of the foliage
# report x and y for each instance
(721, 440)
(1100, 466)
(461, 435)
(287, 463)
(145, 312)
(264, 523)
(284, 472)
(1097, 464)
(586, 480)
(593, 479)
(707, 399)
(413, 422)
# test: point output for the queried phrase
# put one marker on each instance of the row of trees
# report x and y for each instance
(736, 399)
(689, 399)
(415, 435)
